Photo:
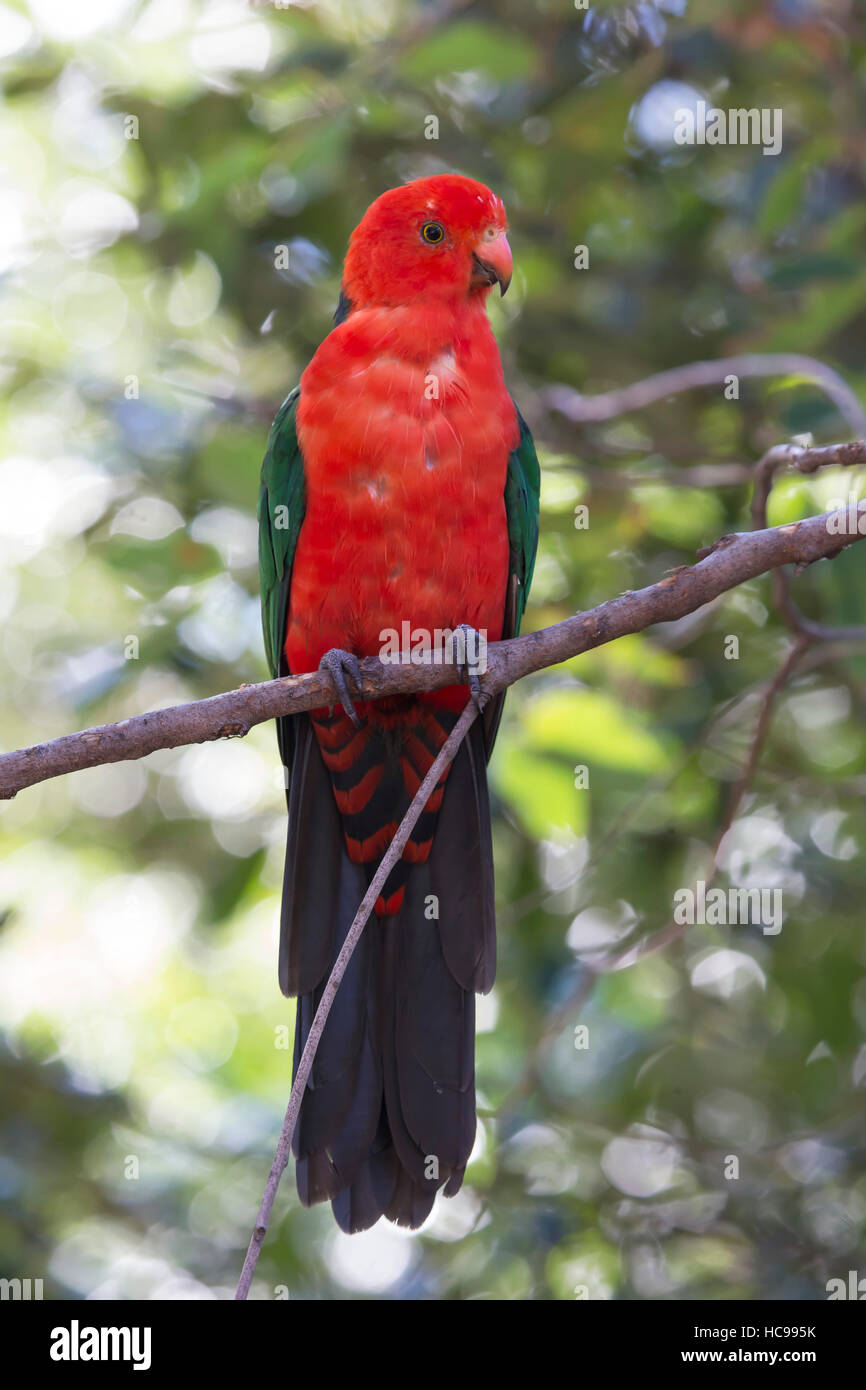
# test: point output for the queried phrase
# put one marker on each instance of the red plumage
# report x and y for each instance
(406, 426)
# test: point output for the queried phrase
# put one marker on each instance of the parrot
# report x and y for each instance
(400, 484)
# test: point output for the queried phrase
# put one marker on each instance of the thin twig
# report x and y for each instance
(805, 460)
(395, 849)
(592, 970)
(762, 728)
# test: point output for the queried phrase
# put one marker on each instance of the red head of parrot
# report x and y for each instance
(442, 237)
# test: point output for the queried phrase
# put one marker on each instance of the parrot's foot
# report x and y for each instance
(339, 664)
(473, 641)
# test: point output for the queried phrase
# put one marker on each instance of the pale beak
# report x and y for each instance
(492, 263)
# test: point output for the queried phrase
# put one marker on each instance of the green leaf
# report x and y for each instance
(541, 791)
(466, 46)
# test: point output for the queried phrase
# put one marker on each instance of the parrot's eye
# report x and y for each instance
(433, 233)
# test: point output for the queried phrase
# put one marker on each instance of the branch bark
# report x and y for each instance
(730, 561)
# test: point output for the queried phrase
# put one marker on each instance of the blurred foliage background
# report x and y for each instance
(155, 154)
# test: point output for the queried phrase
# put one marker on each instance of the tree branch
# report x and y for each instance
(608, 405)
(730, 561)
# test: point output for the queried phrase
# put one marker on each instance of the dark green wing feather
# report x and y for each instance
(282, 502)
(522, 489)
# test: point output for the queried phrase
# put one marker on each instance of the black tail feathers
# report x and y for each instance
(388, 1116)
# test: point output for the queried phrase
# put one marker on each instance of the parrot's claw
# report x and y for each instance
(479, 695)
(339, 664)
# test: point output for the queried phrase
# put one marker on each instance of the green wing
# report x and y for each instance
(522, 489)
(282, 501)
